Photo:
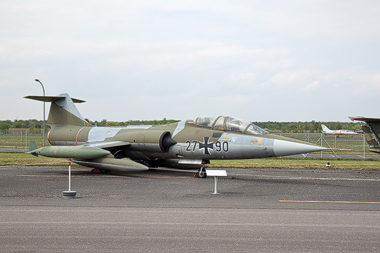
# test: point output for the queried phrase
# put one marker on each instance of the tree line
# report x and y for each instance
(306, 127)
(284, 127)
(33, 124)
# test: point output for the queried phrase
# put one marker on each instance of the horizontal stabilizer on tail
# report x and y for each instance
(62, 110)
(52, 98)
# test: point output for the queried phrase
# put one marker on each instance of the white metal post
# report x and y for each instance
(364, 145)
(43, 130)
(216, 185)
(69, 174)
(321, 144)
(69, 194)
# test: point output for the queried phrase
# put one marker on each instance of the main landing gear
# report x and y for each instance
(100, 171)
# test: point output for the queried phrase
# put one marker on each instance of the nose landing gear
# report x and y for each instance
(201, 173)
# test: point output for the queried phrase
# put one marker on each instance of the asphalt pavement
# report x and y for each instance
(257, 210)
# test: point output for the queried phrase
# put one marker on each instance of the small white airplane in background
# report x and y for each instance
(326, 130)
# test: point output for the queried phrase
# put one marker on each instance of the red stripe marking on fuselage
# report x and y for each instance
(76, 138)
(48, 137)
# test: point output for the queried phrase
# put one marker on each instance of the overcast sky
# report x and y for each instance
(255, 60)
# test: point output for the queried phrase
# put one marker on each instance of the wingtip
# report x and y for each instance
(354, 118)
(33, 153)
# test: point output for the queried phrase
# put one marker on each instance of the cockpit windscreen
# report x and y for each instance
(227, 123)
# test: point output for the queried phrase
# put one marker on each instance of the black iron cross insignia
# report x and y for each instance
(206, 145)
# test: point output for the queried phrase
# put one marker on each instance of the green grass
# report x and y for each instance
(27, 159)
(344, 142)
(299, 163)
(354, 142)
(20, 141)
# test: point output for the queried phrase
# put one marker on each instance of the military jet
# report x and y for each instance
(326, 130)
(371, 130)
(186, 145)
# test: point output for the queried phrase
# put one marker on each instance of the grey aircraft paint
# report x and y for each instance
(189, 144)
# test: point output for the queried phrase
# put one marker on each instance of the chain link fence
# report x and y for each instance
(350, 144)
(20, 139)
(344, 144)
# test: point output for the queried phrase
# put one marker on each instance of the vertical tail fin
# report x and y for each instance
(62, 110)
(32, 145)
(325, 129)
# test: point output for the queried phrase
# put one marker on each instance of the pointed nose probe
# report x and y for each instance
(284, 148)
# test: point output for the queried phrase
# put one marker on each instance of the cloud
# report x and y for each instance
(311, 86)
(287, 78)
(133, 59)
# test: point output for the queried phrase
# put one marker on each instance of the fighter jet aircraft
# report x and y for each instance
(326, 130)
(188, 145)
(371, 130)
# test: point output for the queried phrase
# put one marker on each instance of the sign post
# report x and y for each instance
(69, 194)
(216, 174)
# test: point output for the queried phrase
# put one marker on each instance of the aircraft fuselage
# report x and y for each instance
(191, 141)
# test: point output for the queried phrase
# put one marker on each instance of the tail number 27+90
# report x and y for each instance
(219, 146)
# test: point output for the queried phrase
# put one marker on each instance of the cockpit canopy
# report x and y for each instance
(227, 123)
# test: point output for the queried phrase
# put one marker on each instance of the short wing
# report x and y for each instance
(108, 145)
(365, 119)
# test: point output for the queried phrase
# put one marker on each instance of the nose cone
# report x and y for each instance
(284, 148)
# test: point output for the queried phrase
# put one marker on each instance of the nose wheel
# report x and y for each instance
(201, 173)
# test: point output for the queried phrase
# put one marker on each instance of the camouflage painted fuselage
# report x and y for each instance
(187, 144)
(191, 142)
